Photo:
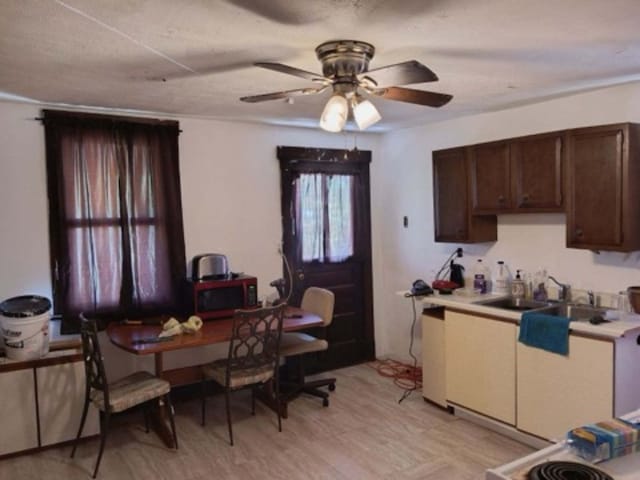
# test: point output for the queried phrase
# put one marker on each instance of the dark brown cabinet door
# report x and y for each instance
(450, 195)
(452, 219)
(490, 178)
(537, 174)
(596, 161)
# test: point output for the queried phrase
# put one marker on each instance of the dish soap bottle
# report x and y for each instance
(501, 282)
(518, 286)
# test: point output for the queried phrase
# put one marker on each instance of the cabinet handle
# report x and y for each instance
(578, 232)
(501, 199)
(525, 198)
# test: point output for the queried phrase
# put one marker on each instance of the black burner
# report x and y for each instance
(566, 471)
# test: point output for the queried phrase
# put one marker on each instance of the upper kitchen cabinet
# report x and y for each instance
(603, 173)
(490, 178)
(453, 221)
(519, 175)
(537, 173)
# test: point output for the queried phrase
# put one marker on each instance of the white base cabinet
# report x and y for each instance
(557, 393)
(472, 361)
(18, 421)
(60, 400)
(480, 358)
(433, 357)
(41, 404)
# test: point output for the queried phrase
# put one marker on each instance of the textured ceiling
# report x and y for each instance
(194, 58)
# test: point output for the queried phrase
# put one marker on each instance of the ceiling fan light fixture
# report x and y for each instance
(365, 114)
(345, 69)
(335, 113)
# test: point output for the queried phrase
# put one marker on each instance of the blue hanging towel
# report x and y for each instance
(547, 332)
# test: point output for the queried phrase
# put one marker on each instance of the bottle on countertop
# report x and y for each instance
(502, 280)
(518, 288)
(480, 278)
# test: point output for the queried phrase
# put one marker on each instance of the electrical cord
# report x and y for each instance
(447, 263)
(406, 376)
(281, 283)
(289, 275)
(408, 391)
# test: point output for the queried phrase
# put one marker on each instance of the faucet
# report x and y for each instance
(563, 293)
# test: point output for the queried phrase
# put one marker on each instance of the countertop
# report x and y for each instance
(628, 324)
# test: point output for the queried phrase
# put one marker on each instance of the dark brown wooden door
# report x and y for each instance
(452, 219)
(350, 336)
(537, 173)
(595, 168)
(490, 178)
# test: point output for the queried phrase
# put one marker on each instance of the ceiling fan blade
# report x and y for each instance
(404, 73)
(421, 97)
(285, 94)
(279, 67)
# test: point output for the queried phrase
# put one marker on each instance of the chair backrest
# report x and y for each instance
(93, 361)
(319, 301)
(255, 338)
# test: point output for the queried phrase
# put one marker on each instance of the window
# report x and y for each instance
(116, 232)
(326, 223)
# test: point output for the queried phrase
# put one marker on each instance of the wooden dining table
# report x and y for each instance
(141, 338)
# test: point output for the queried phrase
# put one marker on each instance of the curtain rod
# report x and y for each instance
(42, 119)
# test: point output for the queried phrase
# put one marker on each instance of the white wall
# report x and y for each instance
(230, 181)
(404, 187)
(231, 195)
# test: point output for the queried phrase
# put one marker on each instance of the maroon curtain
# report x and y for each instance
(117, 242)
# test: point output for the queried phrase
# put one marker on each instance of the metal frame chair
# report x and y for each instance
(252, 360)
(135, 389)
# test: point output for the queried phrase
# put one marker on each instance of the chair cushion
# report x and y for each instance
(132, 390)
(296, 343)
(239, 378)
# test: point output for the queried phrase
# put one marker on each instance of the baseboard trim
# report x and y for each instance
(501, 428)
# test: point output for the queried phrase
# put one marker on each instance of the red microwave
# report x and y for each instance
(219, 298)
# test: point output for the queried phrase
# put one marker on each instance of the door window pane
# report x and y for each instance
(326, 216)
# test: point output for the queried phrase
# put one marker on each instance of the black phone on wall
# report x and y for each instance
(420, 287)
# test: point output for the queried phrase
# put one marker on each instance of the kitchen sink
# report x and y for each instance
(518, 304)
(575, 312)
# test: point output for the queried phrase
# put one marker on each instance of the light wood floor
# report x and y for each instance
(364, 434)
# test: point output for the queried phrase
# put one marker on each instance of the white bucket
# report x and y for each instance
(25, 335)
(26, 338)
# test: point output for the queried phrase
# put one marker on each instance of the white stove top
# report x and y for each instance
(622, 468)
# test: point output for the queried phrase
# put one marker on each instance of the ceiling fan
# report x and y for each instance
(345, 68)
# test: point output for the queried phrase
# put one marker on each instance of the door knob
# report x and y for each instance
(300, 275)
